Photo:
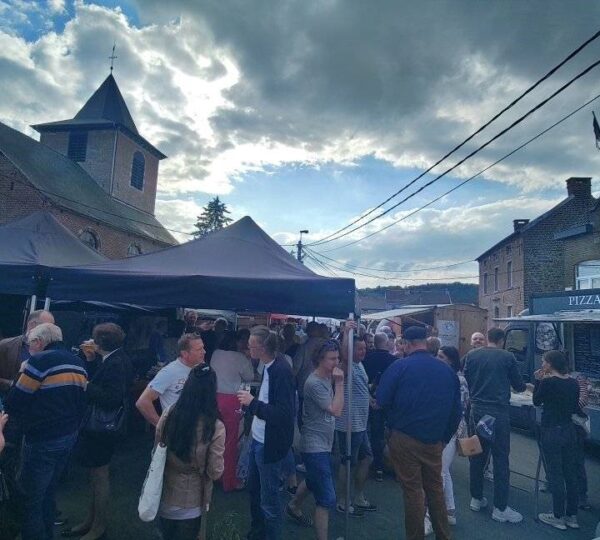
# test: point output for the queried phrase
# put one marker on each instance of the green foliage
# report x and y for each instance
(225, 528)
(213, 217)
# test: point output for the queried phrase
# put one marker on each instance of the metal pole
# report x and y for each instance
(349, 425)
(33, 303)
(47, 303)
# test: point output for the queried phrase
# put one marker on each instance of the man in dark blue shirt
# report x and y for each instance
(421, 397)
(375, 363)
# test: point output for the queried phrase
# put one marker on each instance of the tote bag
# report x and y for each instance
(153, 484)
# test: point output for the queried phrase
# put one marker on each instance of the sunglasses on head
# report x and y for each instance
(330, 345)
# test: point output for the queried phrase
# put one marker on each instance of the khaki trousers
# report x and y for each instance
(419, 468)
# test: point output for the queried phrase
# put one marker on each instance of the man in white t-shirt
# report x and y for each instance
(168, 382)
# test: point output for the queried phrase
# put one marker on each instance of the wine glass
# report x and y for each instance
(243, 387)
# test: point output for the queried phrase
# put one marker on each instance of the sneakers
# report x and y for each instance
(365, 506)
(379, 475)
(477, 504)
(553, 521)
(451, 519)
(354, 512)
(571, 522)
(507, 515)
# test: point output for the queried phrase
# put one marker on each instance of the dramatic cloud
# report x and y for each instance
(233, 93)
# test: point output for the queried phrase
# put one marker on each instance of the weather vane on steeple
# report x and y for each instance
(112, 57)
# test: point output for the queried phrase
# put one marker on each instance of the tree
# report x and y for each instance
(213, 217)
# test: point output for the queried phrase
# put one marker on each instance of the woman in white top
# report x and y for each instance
(232, 368)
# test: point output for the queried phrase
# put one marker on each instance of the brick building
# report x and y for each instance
(94, 172)
(533, 258)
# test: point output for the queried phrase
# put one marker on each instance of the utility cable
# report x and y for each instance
(506, 156)
(479, 130)
(476, 151)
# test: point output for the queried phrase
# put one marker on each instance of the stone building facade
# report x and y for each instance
(532, 258)
(94, 172)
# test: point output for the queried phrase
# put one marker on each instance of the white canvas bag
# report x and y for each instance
(153, 484)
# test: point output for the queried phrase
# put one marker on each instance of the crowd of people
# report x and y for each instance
(412, 401)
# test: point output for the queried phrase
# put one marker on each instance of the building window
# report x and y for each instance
(485, 286)
(509, 274)
(496, 312)
(588, 275)
(496, 287)
(137, 171)
(77, 145)
(509, 311)
(134, 250)
(90, 238)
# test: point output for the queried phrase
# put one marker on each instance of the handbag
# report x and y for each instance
(152, 489)
(99, 420)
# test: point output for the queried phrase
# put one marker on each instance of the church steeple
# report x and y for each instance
(104, 140)
(107, 103)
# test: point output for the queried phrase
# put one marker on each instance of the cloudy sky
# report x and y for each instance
(307, 114)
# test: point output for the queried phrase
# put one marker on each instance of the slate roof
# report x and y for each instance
(580, 218)
(66, 184)
(106, 109)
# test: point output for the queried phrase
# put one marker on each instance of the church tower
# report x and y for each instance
(103, 139)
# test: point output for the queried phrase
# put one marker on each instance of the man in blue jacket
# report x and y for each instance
(421, 397)
(272, 434)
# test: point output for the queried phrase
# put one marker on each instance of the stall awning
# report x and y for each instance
(589, 316)
(391, 313)
(239, 268)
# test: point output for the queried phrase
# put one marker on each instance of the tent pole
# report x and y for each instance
(47, 303)
(33, 303)
(349, 425)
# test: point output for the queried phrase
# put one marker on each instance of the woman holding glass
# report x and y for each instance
(234, 372)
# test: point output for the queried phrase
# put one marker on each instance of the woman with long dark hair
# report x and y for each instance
(195, 440)
(558, 394)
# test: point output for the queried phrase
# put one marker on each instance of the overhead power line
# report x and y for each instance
(440, 267)
(470, 137)
(506, 156)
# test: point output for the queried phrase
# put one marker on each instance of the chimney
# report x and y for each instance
(518, 224)
(579, 187)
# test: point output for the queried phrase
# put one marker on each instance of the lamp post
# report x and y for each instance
(299, 253)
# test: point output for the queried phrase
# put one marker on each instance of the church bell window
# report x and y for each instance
(137, 171)
(77, 145)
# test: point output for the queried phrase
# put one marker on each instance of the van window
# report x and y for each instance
(516, 342)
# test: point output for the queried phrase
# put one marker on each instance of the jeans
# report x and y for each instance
(500, 450)
(559, 444)
(179, 529)
(43, 463)
(264, 480)
(448, 456)
(582, 482)
(419, 467)
(319, 478)
(377, 436)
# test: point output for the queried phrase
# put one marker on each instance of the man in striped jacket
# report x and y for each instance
(48, 401)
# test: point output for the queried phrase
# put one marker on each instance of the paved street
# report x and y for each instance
(386, 524)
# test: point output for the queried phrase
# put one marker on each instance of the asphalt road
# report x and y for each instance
(130, 465)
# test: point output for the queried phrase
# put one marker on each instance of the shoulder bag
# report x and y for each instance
(152, 489)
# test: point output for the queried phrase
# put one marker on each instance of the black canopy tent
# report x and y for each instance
(239, 268)
(30, 247)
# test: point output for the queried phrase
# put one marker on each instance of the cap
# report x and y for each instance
(414, 333)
